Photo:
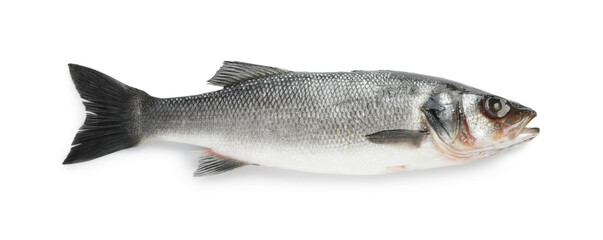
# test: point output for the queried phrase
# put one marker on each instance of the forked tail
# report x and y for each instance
(113, 115)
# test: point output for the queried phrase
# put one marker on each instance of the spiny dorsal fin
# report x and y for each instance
(232, 73)
(213, 163)
(398, 136)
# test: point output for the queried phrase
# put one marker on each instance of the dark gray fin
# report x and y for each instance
(111, 121)
(214, 163)
(232, 73)
(398, 136)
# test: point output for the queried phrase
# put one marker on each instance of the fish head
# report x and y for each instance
(471, 124)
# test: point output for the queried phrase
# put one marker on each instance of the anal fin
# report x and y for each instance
(214, 163)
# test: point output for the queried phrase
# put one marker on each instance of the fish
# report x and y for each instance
(352, 123)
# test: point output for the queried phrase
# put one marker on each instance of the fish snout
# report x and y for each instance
(528, 114)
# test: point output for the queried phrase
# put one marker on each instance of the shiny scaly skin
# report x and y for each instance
(314, 122)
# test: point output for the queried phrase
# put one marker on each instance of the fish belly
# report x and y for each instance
(366, 159)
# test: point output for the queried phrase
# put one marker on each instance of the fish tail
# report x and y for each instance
(113, 115)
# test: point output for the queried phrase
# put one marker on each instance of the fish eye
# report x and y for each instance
(495, 107)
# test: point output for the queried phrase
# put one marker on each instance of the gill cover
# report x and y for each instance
(442, 112)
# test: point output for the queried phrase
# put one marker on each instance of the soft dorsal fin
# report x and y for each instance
(232, 73)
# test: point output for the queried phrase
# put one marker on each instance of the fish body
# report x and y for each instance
(361, 122)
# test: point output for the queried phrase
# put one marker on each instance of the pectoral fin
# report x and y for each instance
(398, 136)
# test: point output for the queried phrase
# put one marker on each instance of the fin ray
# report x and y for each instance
(111, 115)
(213, 163)
(232, 73)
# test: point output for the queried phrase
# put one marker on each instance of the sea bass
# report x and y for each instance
(359, 122)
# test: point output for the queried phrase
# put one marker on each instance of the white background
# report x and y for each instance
(543, 54)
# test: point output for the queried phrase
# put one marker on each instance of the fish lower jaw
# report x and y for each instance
(533, 130)
(461, 156)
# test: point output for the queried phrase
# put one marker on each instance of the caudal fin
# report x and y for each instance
(113, 115)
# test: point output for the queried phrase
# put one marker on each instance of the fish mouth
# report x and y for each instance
(523, 135)
(529, 131)
(526, 134)
(516, 134)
